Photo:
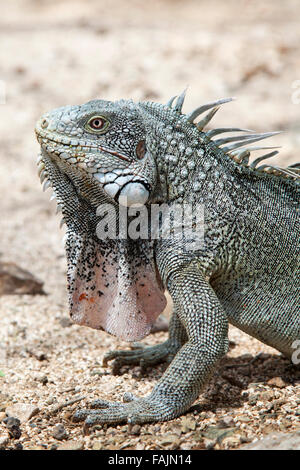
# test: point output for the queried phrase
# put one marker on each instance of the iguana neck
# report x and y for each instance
(192, 168)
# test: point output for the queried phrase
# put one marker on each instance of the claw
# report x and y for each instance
(100, 404)
(128, 397)
(108, 357)
(80, 415)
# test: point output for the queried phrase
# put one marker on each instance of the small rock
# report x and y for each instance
(277, 404)
(277, 382)
(231, 441)
(51, 400)
(97, 445)
(68, 415)
(227, 422)
(170, 440)
(217, 434)
(4, 440)
(135, 430)
(245, 439)
(276, 441)
(59, 432)
(187, 424)
(2, 416)
(19, 446)
(43, 380)
(244, 419)
(71, 445)
(24, 412)
(140, 446)
(4, 397)
(209, 443)
(13, 426)
(268, 395)
(39, 355)
(15, 280)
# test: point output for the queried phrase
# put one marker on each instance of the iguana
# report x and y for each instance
(246, 271)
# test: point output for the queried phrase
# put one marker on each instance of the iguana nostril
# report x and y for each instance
(44, 123)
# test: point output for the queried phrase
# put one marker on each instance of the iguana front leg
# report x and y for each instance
(200, 312)
(150, 355)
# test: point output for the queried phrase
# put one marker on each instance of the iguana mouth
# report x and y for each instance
(81, 146)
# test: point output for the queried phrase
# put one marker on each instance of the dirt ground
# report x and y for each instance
(68, 52)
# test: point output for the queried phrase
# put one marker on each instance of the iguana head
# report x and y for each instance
(105, 141)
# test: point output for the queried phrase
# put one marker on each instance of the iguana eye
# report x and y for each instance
(140, 149)
(97, 124)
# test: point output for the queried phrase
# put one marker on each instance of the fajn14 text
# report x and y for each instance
(160, 459)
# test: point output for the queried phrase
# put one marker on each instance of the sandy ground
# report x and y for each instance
(67, 52)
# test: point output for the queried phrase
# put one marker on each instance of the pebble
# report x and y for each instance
(97, 445)
(72, 445)
(216, 434)
(267, 395)
(276, 441)
(15, 280)
(43, 380)
(59, 432)
(13, 426)
(187, 424)
(277, 382)
(228, 421)
(135, 430)
(210, 444)
(170, 440)
(4, 397)
(244, 419)
(50, 401)
(232, 441)
(24, 412)
(4, 440)
(19, 446)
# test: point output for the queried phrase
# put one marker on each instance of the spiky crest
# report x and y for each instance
(240, 156)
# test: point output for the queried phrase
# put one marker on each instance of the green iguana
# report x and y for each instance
(246, 271)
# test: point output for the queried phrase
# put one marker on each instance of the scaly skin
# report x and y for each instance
(245, 272)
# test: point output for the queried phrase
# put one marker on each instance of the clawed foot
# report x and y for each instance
(137, 411)
(144, 356)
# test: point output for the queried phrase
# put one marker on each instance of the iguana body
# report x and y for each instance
(246, 272)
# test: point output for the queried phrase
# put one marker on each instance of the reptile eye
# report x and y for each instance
(140, 149)
(97, 124)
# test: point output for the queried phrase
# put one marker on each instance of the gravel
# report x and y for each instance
(71, 56)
